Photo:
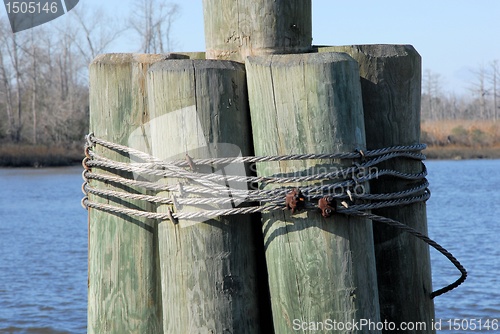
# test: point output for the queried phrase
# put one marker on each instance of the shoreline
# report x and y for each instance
(461, 139)
(459, 152)
(39, 156)
(29, 156)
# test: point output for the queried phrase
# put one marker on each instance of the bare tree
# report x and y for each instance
(480, 91)
(432, 95)
(40, 95)
(97, 32)
(43, 71)
(153, 23)
(12, 50)
(34, 90)
(6, 81)
(494, 77)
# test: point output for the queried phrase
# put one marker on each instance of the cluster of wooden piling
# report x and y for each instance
(265, 89)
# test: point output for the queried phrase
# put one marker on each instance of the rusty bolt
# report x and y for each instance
(295, 200)
(327, 206)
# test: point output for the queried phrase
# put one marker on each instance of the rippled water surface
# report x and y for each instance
(464, 216)
(43, 251)
(43, 245)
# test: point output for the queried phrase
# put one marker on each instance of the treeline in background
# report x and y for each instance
(462, 126)
(44, 108)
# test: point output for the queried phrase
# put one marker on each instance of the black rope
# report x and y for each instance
(277, 197)
(422, 237)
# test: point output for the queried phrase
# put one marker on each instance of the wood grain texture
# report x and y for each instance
(391, 85)
(208, 268)
(193, 55)
(237, 29)
(319, 268)
(123, 295)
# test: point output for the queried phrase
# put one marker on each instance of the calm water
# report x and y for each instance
(464, 216)
(43, 251)
(43, 245)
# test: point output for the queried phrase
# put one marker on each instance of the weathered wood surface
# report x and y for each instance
(208, 269)
(391, 85)
(124, 285)
(237, 29)
(193, 55)
(319, 268)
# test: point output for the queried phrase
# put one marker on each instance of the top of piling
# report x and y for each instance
(235, 30)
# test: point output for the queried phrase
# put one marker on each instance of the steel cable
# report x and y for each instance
(209, 191)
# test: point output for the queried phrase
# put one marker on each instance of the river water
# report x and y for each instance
(43, 246)
(464, 217)
(43, 251)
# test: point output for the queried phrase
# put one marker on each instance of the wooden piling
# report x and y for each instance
(391, 85)
(123, 285)
(199, 107)
(237, 29)
(319, 268)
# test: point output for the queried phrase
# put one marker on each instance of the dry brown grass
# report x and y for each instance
(462, 152)
(465, 139)
(462, 132)
(38, 155)
(450, 139)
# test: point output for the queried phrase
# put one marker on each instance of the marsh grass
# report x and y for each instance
(461, 139)
(448, 139)
(39, 155)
